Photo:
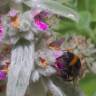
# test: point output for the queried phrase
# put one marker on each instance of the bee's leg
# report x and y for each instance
(75, 81)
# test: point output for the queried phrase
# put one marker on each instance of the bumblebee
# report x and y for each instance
(68, 66)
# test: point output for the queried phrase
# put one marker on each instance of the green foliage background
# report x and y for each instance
(87, 22)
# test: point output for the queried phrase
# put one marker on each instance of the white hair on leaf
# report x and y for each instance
(22, 64)
(35, 76)
(47, 71)
(18, 1)
(56, 91)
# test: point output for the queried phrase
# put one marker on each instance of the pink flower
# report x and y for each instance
(2, 75)
(39, 21)
(12, 13)
(36, 12)
(41, 25)
(1, 32)
(58, 53)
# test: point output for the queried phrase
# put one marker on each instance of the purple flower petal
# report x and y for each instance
(1, 32)
(2, 75)
(1, 29)
(41, 25)
(39, 21)
(12, 13)
(57, 53)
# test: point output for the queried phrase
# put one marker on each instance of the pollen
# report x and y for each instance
(15, 21)
(43, 62)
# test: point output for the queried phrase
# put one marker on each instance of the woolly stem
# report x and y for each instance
(52, 88)
(22, 64)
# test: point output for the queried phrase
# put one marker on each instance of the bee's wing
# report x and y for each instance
(57, 42)
(55, 7)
